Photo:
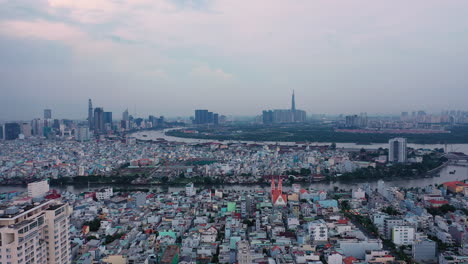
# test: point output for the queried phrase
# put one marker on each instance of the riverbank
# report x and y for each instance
(461, 174)
(162, 134)
(318, 133)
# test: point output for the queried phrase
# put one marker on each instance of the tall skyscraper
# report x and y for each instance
(11, 131)
(397, 150)
(36, 234)
(125, 116)
(47, 113)
(293, 103)
(90, 114)
(98, 120)
(107, 117)
(284, 115)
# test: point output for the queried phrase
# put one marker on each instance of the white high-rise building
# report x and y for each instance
(190, 189)
(243, 253)
(38, 189)
(35, 234)
(403, 235)
(397, 150)
(82, 134)
(318, 230)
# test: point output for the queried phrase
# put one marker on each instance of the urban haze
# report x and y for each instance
(238, 132)
(240, 57)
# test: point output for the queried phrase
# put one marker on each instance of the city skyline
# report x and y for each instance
(171, 57)
(240, 132)
(190, 114)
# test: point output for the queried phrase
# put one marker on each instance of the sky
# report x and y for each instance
(235, 57)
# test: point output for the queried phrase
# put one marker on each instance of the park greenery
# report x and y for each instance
(315, 132)
(395, 171)
(444, 209)
(94, 225)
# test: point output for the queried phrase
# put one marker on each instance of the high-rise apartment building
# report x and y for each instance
(244, 256)
(11, 131)
(403, 235)
(98, 120)
(203, 116)
(82, 134)
(397, 150)
(26, 129)
(38, 189)
(47, 114)
(107, 117)
(37, 127)
(267, 117)
(36, 233)
(356, 121)
(125, 116)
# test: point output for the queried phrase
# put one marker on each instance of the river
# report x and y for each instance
(461, 174)
(155, 134)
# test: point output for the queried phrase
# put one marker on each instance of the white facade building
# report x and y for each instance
(105, 193)
(82, 134)
(403, 235)
(358, 194)
(397, 150)
(318, 230)
(36, 235)
(38, 189)
(190, 189)
(335, 258)
(243, 253)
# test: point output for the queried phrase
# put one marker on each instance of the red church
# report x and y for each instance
(277, 196)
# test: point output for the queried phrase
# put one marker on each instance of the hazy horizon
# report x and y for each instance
(169, 57)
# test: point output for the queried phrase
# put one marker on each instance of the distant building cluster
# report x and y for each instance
(356, 121)
(205, 117)
(278, 116)
(445, 117)
(99, 123)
